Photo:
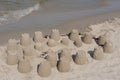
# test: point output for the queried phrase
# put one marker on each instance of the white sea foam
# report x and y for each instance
(13, 16)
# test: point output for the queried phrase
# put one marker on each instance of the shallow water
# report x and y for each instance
(6, 5)
(12, 10)
(55, 12)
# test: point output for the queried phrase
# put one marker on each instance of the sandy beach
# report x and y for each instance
(63, 41)
(107, 68)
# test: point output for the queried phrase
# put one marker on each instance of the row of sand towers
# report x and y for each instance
(59, 60)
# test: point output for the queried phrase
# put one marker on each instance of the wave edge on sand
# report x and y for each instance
(13, 16)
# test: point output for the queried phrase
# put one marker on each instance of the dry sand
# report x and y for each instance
(106, 69)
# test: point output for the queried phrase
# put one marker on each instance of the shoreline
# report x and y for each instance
(80, 24)
(83, 23)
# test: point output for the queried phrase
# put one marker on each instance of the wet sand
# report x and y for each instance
(80, 24)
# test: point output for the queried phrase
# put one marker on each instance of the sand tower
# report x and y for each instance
(12, 58)
(25, 40)
(51, 43)
(24, 66)
(41, 47)
(98, 53)
(78, 42)
(12, 45)
(65, 41)
(66, 53)
(87, 38)
(80, 57)
(38, 37)
(55, 35)
(28, 51)
(63, 65)
(108, 47)
(44, 69)
(74, 35)
(102, 40)
(52, 58)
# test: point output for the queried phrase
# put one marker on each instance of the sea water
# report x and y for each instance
(12, 10)
(51, 13)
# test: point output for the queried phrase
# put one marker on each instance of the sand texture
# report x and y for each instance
(105, 68)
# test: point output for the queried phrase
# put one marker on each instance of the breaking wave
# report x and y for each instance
(12, 16)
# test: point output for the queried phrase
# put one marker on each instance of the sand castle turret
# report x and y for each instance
(74, 35)
(28, 51)
(38, 46)
(65, 41)
(78, 42)
(38, 37)
(24, 66)
(44, 69)
(12, 58)
(51, 43)
(12, 45)
(98, 53)
(80, 57)
(66, 53)
(108, 47)
(102, 40)
(63, 65)
(55, 35)
(88, 38)
(25, 40)
(41, 47)
(52, 58)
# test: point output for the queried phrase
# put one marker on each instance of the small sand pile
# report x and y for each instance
(92, 55)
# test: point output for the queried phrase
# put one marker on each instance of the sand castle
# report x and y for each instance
(24, 66)
(12, 52)
(87, 38)
(38, 37)
(52, 58)
(53, 55)
(55, 35)
(51, 43)
(44, 69)
(78, 42)
(65, 41)
(102, 39)
(98, 53)
(12, 45)
(74, 35)
(41, 47)
(12, 58)
(80, 57)
(108, 47)
(65, 53)
(25, 40)
(63, 65)
(28, 51)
